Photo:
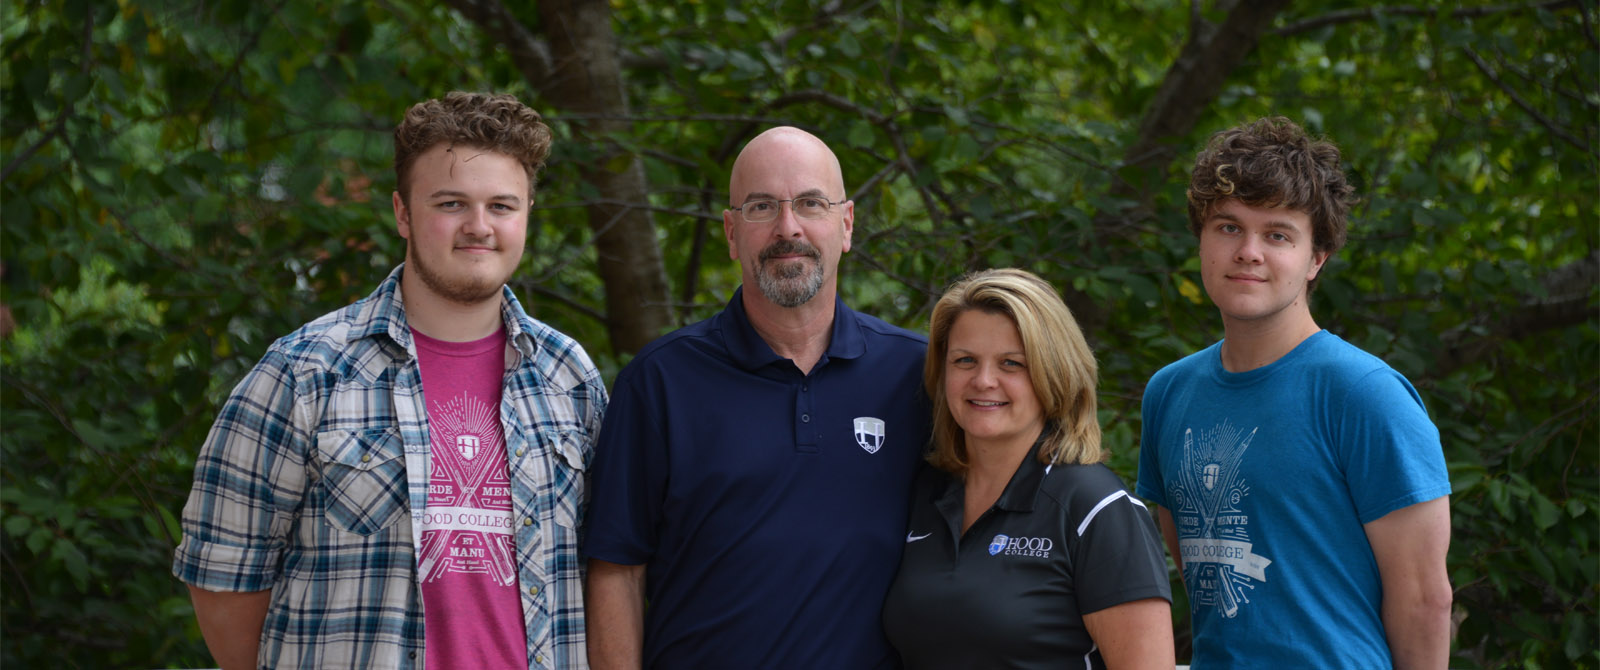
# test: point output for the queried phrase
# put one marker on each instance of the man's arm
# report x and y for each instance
(1169, 534)
(1410, 545)
(615, 619)
(231, 624)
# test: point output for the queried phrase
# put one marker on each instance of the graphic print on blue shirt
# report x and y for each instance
(1213, 533)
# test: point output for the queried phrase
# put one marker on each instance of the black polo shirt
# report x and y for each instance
(1060, 542)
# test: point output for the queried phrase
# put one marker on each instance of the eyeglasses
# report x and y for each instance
(805, 207)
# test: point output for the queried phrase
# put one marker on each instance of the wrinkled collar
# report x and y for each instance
(384, 314)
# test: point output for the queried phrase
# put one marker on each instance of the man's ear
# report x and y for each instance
(848, 218)
(1318, 258)
(402, 216)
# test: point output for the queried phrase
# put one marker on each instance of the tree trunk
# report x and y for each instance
(586, 78)
(1191, 83)
(1194, 79)
(577, 70)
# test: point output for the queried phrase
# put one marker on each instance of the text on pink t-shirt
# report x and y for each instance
(471, 609)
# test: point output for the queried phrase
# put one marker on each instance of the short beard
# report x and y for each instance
(464, 291)
(792, 283)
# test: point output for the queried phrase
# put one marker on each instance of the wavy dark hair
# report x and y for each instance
(1273, 162)
(498, 123)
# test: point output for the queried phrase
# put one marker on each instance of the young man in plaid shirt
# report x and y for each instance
(399, 483)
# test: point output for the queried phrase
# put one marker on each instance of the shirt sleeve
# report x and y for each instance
(628, 478)
(1117, 555)
(1389, 448)
(593, 415)
(248, 480)
(1150, 484)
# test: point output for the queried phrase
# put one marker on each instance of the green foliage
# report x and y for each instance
(195, 179)
(199, 184)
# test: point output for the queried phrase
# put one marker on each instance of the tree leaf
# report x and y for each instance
(1545, 513)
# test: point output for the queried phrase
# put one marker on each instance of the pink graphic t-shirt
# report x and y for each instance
(471, 609)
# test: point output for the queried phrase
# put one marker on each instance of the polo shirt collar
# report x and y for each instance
(752, 352)
(1024, 485)
(1017, 497)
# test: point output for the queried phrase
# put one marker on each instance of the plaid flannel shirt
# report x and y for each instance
(314, 479)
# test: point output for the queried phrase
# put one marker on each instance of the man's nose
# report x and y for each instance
(788, 223)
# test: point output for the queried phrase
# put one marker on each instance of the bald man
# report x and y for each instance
(753, 471)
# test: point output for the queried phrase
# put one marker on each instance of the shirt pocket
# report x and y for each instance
(570, 473)
(363, 479)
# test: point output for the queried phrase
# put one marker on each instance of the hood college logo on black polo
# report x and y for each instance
(998, 544)
(869, 433)
(1038, 547)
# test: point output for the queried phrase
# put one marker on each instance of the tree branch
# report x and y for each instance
(238, 60)
(55, 129)
(1588, 30)
(61, 121)
(827, 14)
(1524, 104)
(829, 99)
(1523, 74)
(1190, 84)
(531, 286)
(1568, 301)
(143, 492)
(668, 118)
(872, 182)
(627, 204)
(530, 54)
(1372, 13)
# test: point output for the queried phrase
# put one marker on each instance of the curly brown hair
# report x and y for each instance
(1272, 162)
(498, 123)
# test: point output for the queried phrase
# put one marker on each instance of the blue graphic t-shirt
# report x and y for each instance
(1270, 475)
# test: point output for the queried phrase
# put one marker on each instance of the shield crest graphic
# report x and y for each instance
(998, 544)
(869, 433)
(467, 445)
(1209, 476)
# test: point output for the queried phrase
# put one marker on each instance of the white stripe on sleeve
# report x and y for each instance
(1102, 504)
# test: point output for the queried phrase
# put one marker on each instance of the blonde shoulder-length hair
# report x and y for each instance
(1061, 366)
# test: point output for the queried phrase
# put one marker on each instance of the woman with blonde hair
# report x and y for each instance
(1023, 550)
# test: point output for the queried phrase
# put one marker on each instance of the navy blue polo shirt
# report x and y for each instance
(1060, 542)
(769, 506)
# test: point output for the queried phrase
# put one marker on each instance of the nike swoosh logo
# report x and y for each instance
(913, 538)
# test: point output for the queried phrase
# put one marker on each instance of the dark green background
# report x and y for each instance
(185, 181)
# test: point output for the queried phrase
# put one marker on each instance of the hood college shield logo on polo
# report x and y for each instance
(869, 433)
(998, 543)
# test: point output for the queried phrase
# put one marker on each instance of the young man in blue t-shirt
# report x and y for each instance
(1301, 486)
